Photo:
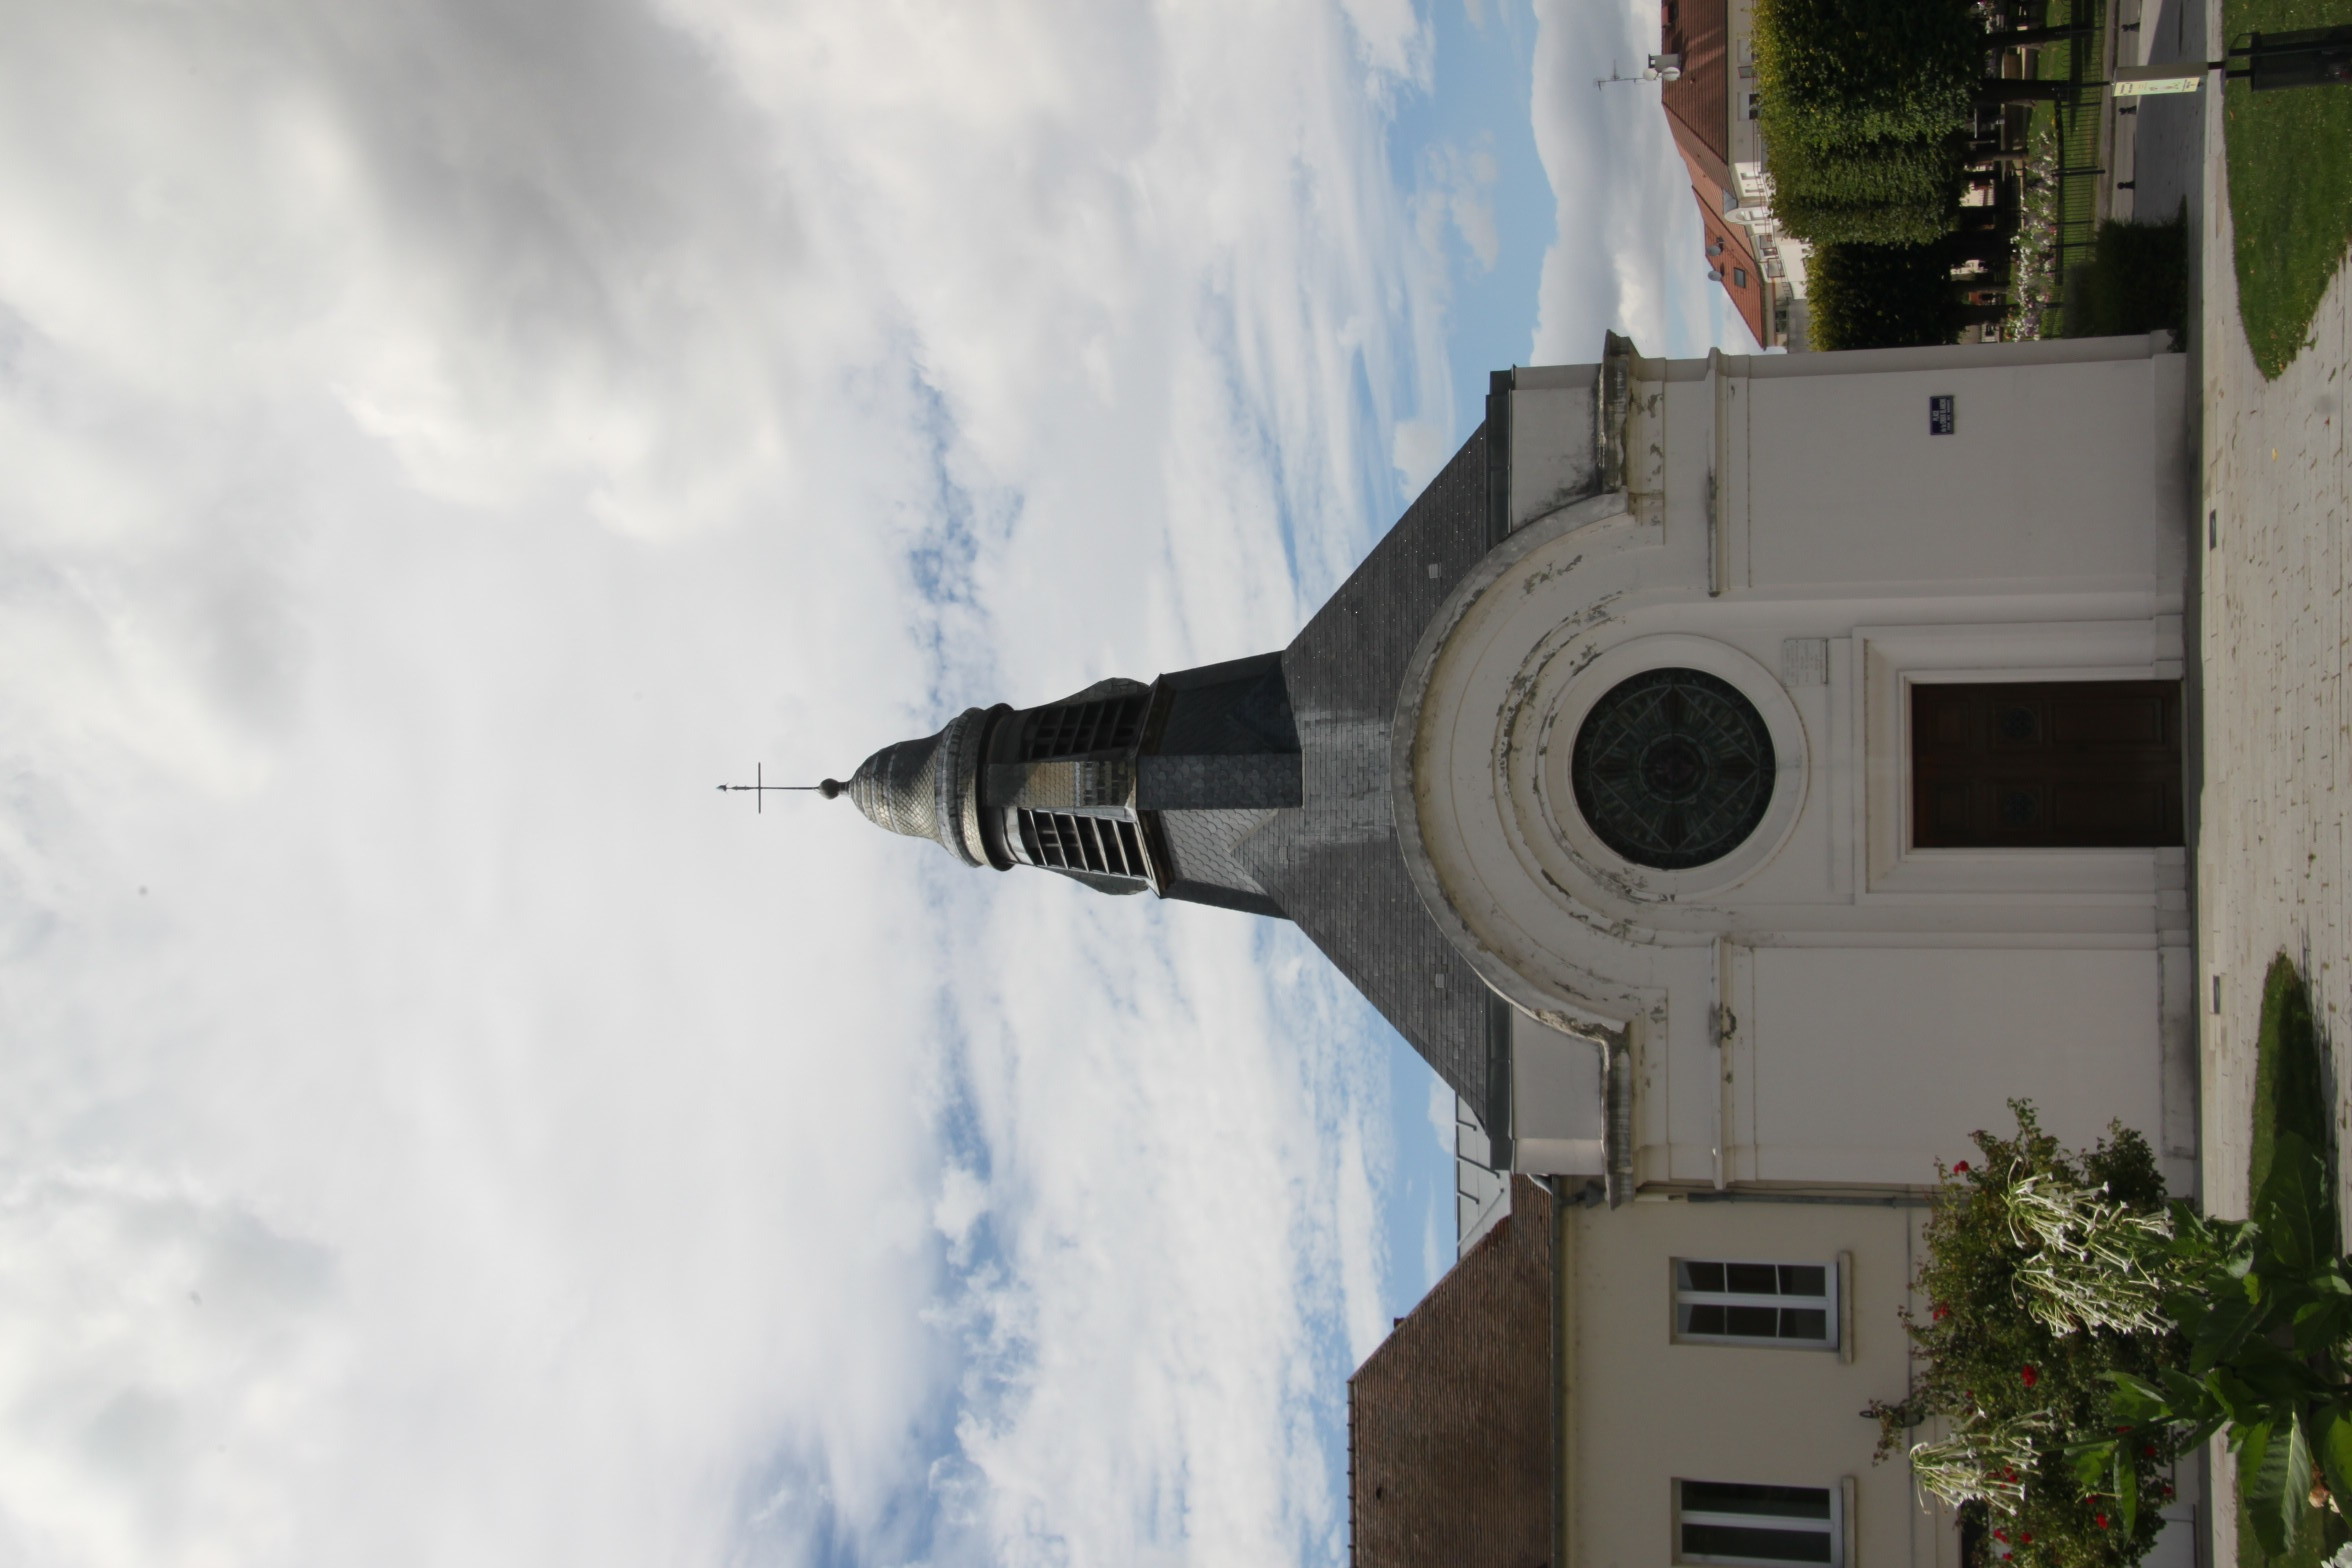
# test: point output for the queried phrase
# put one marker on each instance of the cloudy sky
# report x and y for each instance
(439, 441)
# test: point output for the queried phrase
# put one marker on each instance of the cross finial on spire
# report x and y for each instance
(759, 789)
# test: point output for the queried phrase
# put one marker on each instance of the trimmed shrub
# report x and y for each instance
(1879, 296)
(1837, 73)
(1830, 223)
(1883, 193)
(1868, 172)
(1864, 105)
(2137, 281)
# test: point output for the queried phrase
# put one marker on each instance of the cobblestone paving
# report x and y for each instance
(2276, 640)
(2277, 637)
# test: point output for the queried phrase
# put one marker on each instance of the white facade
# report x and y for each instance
(1828, 1004)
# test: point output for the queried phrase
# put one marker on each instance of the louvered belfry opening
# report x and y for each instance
(1065, 841)
(1072, 729)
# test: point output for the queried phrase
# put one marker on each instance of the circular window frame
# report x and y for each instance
(1634, 810)
(1555, 785)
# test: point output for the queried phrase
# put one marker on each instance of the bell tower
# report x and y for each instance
(1125, 787)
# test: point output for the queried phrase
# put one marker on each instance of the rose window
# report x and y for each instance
(1673, 768)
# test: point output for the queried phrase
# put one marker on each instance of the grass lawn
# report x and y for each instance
(2290, 1095)
(2290, 177)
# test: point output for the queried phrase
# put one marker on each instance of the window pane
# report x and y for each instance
(1800, 1279)
(1703, 1320)
(1752, 1322)
(1772, 1546)
(1702, 1276)
(1737, 1497)
(1804, 1323)
(1752, 1279)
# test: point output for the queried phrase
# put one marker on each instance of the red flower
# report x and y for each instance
(1960, 1169)
(2008, 1475)
(2025, 1538)
(2005, 1556)
(2028, 1376)
(2149, 1449)
(2001, 1536)
(1941, 1312)
(2100, 1520)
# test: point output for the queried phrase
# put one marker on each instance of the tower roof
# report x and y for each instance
(925, 788)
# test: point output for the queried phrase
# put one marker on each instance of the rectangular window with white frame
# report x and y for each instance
(1793, 1305)
(1734, 1522)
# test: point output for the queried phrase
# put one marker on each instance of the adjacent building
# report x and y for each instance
(1712, 108)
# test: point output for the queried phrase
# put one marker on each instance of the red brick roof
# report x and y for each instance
(1698, 105)
(1732, 254)
(1450, 1420)
(1698, 111)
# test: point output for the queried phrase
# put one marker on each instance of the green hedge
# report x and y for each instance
(1819, 222)
(1875, 192)
(1879, 296)
(2137, 280)
(1835, 73)
(1864, 106)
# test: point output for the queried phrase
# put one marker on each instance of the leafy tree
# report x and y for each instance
(1879, 296)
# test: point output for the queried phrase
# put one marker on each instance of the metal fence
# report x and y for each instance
(2082, 61)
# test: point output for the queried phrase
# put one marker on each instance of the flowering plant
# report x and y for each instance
(2045, 1275)
(2083, 1334)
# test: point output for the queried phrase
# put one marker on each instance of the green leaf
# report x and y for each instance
(2262, 1482)
(2136, 1400)
(2332, 1427)
(2292, 1208)
(2225, 1328)
(2189, 1399)
(2127, 1487)
(2322, 1324)
(2270, 1374)
(2092, 1462)
(2297, 1493)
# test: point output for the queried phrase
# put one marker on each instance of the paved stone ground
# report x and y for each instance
(2276, 638)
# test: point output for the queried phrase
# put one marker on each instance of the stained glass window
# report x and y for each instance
(1673, 768)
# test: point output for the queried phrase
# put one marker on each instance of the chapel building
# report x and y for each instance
(1739, 778)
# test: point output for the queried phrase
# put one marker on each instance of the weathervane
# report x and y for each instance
(759, 789)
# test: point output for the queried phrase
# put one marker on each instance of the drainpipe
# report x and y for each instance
(1617, 1134)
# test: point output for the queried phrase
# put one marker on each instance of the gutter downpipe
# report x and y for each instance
(1617, 1129)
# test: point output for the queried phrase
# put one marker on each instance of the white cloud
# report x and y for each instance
(1461, 188)
(446, 440)
(1392, 37)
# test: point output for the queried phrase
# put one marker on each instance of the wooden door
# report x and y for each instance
(2046, 765)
